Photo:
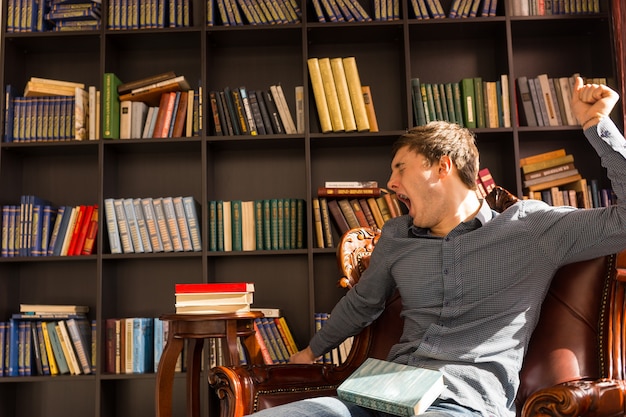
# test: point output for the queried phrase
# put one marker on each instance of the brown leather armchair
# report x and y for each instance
(574, 365)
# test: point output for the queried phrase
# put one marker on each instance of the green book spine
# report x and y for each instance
(236, 224)
(259, 224)
(110, 107)
(469, 102)
(480, 102)
(213, 225)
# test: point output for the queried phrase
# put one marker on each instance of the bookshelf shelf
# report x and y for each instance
(208, 167)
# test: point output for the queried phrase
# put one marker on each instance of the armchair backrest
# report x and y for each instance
(579, 334)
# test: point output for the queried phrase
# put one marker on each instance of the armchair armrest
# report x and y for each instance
(600, 398)
(246, 389)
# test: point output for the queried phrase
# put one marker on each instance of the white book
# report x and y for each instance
(548, 99)
(81, 114)
(141, 224)
(125, 119)
(283, 109)
(133, 227)
(112, 229)
(139, 114)
(148, 123)
(183, 225)
(506, 97)
(93, 133)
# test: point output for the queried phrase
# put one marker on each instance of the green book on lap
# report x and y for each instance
(393, 388)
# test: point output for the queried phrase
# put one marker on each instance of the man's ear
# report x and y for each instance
(445, 166)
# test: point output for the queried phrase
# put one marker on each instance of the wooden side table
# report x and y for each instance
(196, 328)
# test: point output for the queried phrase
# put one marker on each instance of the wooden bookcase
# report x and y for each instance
(300, 282)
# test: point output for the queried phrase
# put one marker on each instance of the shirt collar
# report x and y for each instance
(484, 215)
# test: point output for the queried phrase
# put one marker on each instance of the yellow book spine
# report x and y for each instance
(356, 93)
(54, 370)
(330, 91)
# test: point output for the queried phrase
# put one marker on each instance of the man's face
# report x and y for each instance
(417, 185)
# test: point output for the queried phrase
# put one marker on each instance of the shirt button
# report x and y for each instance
(445, 271)
(447, 239)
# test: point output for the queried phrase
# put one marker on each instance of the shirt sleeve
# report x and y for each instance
(570, 235)
(360, 306)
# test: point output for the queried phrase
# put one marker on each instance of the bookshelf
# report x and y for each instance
(300, 281)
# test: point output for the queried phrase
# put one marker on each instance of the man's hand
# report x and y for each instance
(592, 102)
(303, 356)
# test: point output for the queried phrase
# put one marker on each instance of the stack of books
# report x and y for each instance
(343, 103)
(214, 298)
(242, 111)
(37, 228)
(255, 12)
(71, 15)
(471, 102)
(552, 177)
(53, 15)
(152, 225)
(47, 340)
(267, 224)
(351, 204)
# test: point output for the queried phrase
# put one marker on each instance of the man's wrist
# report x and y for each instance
(592, 121)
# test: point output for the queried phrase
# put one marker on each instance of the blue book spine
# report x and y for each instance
(158, 342)
(12, 348)
(143, 348)
(3, 345)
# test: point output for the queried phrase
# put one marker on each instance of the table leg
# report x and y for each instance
(165, 377)
(194, 364)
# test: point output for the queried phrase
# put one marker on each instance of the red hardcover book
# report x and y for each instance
(214, 287)
(92, 231)
(181, 116)
(164, 116)
(76, 230)
(77, 247)
(350, 192)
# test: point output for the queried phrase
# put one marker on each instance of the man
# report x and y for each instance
(472, 281)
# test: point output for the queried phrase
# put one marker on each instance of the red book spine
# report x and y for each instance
(215, 287)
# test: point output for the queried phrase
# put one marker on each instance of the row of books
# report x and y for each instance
(51, 110)
(239, 111)
(348, 212)
(253, 12)
(264, 224)
(47, 342)
(337, 355)
(175, 116)
(473, 8)
(52, 15)
(37, 228)
(151, 225)
(351, 11)
(148, 14)
(274, 339)
(471, 102)
(550, 7)
(133, 345)
(342, 102)
(545, 101)
(158, 106)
